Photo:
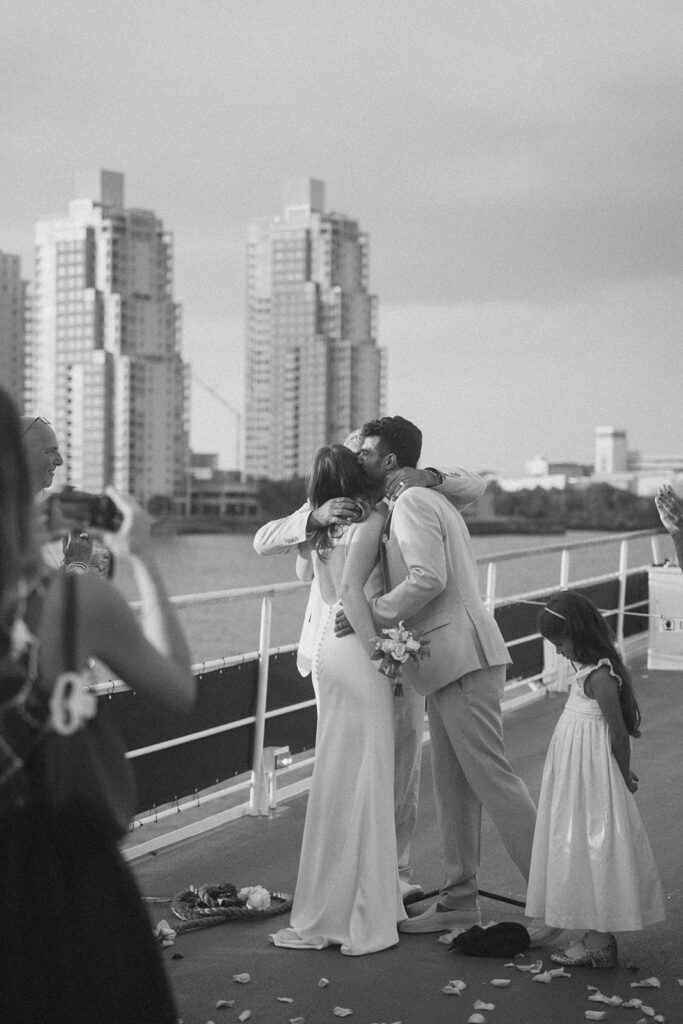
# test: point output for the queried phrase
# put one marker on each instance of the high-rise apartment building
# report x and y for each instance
(314, 371)
(106, 366)
(13, 327)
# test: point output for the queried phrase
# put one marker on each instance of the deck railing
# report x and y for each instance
(519, 691)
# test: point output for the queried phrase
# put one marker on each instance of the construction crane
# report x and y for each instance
(231, 409)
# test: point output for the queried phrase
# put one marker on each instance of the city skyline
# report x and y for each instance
(516, 166)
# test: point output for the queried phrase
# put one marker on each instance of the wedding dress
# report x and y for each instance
(347, 891)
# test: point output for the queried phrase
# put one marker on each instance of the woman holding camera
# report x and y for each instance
(76, 943)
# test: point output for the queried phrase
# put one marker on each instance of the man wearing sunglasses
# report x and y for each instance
(44, 458)
(42, 450)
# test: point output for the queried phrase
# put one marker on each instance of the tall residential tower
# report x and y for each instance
(106, 345)
(314, 370)
(13, 327)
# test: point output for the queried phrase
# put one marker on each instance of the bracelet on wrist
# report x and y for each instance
(79, 568)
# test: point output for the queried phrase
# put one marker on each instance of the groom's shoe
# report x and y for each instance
(436, 919)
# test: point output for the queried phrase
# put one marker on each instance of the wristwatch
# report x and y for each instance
(437, 477)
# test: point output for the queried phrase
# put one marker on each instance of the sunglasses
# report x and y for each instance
(38, 419)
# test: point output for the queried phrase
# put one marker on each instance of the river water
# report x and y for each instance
(207, 562)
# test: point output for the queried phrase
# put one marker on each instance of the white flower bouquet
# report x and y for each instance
(394, 648)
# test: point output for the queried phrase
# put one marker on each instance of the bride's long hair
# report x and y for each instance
(335, 474)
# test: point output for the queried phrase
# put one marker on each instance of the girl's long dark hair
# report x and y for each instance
(18, 547)
(573, 616)
(335, 474)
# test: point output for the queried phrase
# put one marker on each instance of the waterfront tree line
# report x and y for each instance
(598, 506)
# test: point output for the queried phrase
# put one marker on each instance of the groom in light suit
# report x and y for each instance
(431, 582)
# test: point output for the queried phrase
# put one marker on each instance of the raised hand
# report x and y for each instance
(670, 508)
(133, 535)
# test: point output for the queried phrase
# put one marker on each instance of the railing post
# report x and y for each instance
(258, 791)
(623, 567)
(491, 586)
(654, 545)
(564, 569)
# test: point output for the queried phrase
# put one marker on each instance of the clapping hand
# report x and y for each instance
(632, 782)
(670, 508)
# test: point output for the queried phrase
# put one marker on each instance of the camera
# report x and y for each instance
(96, 511)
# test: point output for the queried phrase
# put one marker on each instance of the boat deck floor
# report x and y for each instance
(405, 983)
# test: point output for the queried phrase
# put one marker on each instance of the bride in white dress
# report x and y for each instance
(347, 892)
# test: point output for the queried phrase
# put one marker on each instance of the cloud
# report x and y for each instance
(504, 157)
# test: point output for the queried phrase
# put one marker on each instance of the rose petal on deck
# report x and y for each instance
(500, 982)
(559, 972)
(242, 979)
(454, 988)
(225, 1004)
(297, 1020)
(647, 983)
(342, 1011)
(648, 1010)
(245, 1015)
(658, 1017)
(595, 1014)
(285, 999)
(545, 977)
(323, 982)
(481, 1005)
(476, 1018)
(533, 968)
(598, 997)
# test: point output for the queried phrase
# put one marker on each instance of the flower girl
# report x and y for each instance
(591, 867)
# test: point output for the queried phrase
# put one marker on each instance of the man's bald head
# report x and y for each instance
(42, 450)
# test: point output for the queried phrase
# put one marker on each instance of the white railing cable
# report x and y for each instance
(258, 799)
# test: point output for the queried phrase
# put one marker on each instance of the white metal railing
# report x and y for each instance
(536, 685)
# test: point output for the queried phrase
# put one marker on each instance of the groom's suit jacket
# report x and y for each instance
(431, 582)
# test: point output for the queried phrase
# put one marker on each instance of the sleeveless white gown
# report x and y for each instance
(592, 865)
(347, 891)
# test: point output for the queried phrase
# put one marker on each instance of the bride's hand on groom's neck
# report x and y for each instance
(400, 480)
(335, 511)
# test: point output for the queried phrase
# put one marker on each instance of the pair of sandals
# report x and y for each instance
(509, 939)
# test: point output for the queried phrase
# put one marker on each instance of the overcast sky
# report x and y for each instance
(517, 165)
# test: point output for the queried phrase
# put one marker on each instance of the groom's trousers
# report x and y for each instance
(470, 769)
